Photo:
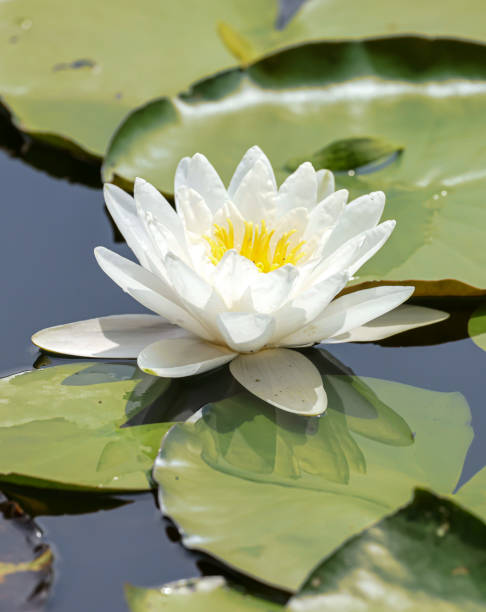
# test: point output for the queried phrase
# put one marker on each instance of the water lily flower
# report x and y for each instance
(244, 276)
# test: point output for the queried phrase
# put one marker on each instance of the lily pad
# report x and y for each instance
(298, 487)
(343, 19)
(25, 561)
(476, 326)
(424, 557)
(62, 427)
(423, 95)
(69, 77)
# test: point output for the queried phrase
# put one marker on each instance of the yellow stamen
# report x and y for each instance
(255, 246)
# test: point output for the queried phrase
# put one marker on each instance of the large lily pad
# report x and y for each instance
(344, 19)
(476, 326)
(25, 561)
(298, 487)
(426, 97)
(61, 427)
(424, 557)
(69, 76)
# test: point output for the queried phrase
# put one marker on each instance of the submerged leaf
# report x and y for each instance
(25, 561)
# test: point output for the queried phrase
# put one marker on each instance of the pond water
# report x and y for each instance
(50, 227)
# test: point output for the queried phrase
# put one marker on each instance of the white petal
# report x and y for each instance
(348, 312)
(400, 319)
(255, 197)
(123, 210)
(325, 184)
(193, 209)
(114, 337)
(196, 172)
(269, 291)
(178, 357)
(324, 216)
(306, 306)
(246, 164)
(150, 202)
(245, 331)
(298, 189)
(286, 379)
(371, 241)
(233, 276)
(359, 215)
(148, 289)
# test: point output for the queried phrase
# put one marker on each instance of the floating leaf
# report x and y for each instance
(347, 154)
(61, 427)
(473, 494)
(426, 96)
(298, 487)
(342, 19)
(476, 326)
(25, 561)
(208, 594)
(69, 77)
(424, 557)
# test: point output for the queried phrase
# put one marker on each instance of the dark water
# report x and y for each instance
(49, 276)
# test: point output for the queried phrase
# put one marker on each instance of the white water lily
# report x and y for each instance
(243, 275)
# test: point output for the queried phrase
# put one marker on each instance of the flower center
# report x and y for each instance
(255, 246)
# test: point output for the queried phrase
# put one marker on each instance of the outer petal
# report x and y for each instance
(148, 289)
(245, 331)
(116, 336)
(298, 189)
(286, 379)
(179, 357)
(348, 312)
(246, 164)
(124, 213)
(152, 204)
(196, 172)
(399, 320)
(359, 215)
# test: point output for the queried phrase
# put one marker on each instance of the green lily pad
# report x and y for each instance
(424, 557)
(69, 77)
(61, 427)
(25, 561)
(298, 487)
(208, 594)
(476, 326)
(426, 96)
(343, 19)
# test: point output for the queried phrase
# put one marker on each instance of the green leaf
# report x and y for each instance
(342, 19)
(298, 487)
(208, 594)
(427, 556)
(476, 326)
(62, 427)
(69, 77)
(473, 494)
(426, 96)
(424, 557)
(347, 154)
(25, 560)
